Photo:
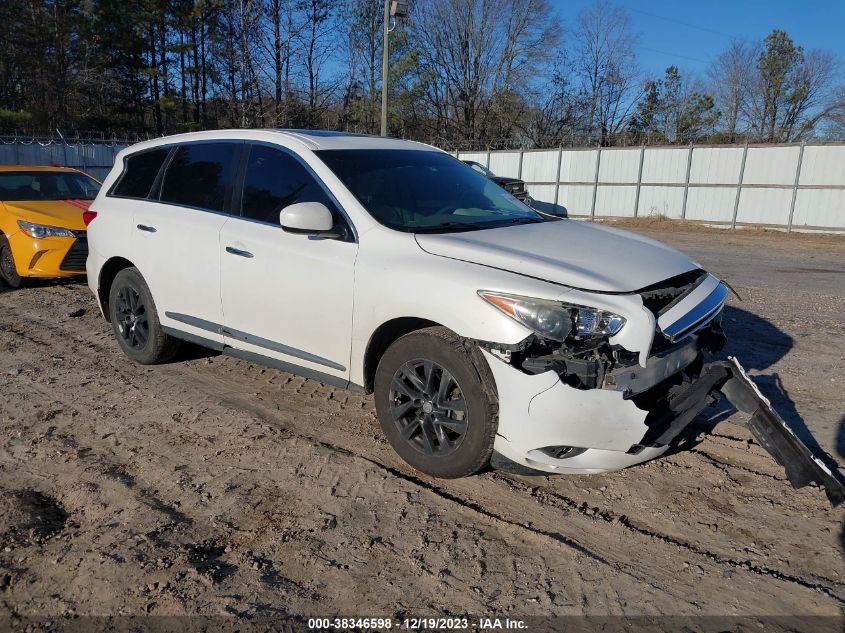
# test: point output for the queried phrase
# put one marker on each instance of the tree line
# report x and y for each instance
(463, 74)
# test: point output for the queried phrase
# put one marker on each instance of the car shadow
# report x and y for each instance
(43, 283)
(192, 351)
(840, 448)
(758, 344)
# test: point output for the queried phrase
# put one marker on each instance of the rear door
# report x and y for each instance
(177, 235)
(287, 296)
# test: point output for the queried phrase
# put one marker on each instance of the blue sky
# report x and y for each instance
(690, 34)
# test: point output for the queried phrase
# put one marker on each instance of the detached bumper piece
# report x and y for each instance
(802, 466)
(728, 379)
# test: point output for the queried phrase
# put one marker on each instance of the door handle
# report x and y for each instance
(238, 252)
(147, 229)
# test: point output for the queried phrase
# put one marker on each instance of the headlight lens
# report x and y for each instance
(554, 320)
(41, 230)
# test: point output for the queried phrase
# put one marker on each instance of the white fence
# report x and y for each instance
(795, 187)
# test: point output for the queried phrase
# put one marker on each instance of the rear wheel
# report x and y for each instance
(135, 320)
(7, 265)
(436, 403)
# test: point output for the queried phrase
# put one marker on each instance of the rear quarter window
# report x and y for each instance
(139, 173)
(200, 175)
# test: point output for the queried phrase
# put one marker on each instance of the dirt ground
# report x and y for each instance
(213, 486)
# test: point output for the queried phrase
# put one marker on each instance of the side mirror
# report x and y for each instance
(308, 218)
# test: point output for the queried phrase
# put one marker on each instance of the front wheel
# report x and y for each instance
(135, 322)
(8, 271)
(436, 403)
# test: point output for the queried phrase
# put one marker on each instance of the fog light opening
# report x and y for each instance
(562, 452)
(35, 259)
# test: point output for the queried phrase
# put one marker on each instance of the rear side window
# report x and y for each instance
(200, 175)
(274, 180)
(140, 173)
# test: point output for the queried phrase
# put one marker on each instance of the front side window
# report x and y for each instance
(200, 175)
(422, 191)
(47, 185)
(274, 180)
(139, 173)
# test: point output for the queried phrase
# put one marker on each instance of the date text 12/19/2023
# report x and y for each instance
(415, 624)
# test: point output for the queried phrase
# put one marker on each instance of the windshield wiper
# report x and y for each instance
(526, 220)
(450, 227)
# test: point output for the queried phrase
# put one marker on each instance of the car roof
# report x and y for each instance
(307, 139)
(6, 168)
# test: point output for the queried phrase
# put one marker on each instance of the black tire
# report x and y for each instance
(135, 322)
(8, 272)
(434, 435)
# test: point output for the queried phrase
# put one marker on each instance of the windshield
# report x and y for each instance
(425, 191)
(47, 185)
(481, 169)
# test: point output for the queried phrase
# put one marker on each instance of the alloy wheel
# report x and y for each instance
(428, 407)
(131, 315)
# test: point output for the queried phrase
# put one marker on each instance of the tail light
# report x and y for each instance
(88, 216)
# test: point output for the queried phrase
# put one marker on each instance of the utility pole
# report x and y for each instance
(393, 9)
(385, 56)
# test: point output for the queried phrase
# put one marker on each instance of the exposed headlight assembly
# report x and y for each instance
(42, 230)
(555, 320)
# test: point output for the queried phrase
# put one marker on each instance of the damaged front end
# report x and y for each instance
(573, 400)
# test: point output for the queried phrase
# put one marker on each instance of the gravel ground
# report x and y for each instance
(213, 486)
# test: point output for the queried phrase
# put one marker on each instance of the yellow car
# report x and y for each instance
(42, 222)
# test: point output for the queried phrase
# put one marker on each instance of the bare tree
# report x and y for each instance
(606, 68)
(836, 122)
(731, 76)
(317, 43)
(363, 40)
(474, 51)
(791, 93)
(812, 100)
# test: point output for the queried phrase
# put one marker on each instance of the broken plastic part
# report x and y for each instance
(801, 464)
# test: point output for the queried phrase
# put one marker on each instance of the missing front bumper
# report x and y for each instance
(728, 378)
(538, 411)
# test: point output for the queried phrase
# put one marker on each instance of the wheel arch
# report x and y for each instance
(107, 274)
(383, 337)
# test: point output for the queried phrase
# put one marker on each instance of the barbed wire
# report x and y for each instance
(81, 138)
(78, 138)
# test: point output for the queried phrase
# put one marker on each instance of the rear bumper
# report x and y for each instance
(606, 430)
(93, 266)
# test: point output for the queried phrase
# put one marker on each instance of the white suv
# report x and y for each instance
(485, 329)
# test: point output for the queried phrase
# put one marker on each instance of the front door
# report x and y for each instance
(286, 296)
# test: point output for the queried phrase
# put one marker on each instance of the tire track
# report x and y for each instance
(821, 584)
(293, 405)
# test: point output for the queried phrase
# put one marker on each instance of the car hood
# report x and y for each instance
(66, 214)
(567, 252)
